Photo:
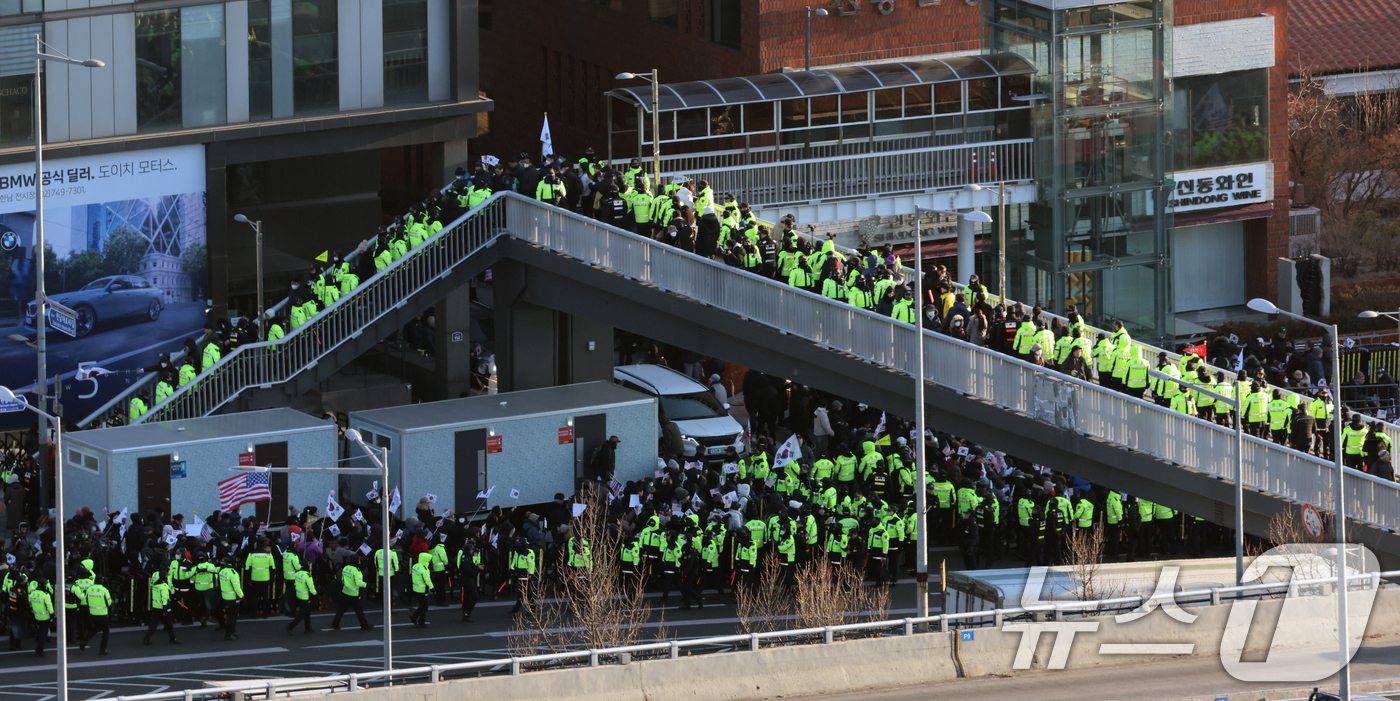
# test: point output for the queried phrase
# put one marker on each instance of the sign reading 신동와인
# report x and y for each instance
(1220, 187)
(115, 177)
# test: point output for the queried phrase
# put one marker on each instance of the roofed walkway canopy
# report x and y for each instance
(938, 102)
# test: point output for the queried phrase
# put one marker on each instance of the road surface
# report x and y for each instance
(266, 651)
(1177, 678)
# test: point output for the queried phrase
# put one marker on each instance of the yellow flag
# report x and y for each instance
(883, 440)
(324, 257)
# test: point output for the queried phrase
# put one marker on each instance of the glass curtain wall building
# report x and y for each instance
(1099, 236)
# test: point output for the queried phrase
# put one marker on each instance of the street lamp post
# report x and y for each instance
(1393, 316)
(60, 617)
(257, 237)
(921, 499)
(1264, 306)
(807, 62)
(1239, 462)
(41, 301)
(1001, 234)
(41, 337)
(381, 461)
(381, 470)
(655, 121)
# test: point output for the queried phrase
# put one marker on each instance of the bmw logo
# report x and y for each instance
(9, 241)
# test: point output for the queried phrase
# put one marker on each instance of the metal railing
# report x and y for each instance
(767, 155)
(273, 362)
(863, 174)
(1007, 382)
(117, 406)
(753, 642)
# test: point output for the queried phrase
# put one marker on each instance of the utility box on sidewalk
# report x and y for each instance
(176, 466)
(527, 445)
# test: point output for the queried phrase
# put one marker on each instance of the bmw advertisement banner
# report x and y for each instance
(125, 238)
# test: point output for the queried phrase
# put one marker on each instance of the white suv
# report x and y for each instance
(707, 429)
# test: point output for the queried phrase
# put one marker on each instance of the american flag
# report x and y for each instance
(243, 489)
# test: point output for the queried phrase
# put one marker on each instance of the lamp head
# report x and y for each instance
(93, 63)
(6, 395)
(240, 219)
(978, 216)
(819, 12)
(972, 187)
(626, 76)
(18, 338)
(1263, 306)
(1368, 314)
(353, 435)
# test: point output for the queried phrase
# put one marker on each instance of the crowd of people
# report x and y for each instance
(844, 496)
(1284, 390)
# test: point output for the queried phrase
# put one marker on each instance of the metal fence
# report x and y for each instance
(753, 642)
(273, 362)
(859, 175)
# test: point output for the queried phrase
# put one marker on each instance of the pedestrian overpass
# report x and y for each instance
(558, 260)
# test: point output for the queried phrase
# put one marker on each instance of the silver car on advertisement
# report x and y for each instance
(108, 298)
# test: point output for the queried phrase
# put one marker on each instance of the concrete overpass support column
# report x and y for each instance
(967, 247)
(452, 332)
(525, 345)
(539, 347)
(588, 349)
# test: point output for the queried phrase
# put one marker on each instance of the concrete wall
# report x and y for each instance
(875, 663)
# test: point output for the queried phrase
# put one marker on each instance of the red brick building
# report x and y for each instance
(561, 56)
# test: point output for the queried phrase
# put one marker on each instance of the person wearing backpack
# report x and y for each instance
(16, 593)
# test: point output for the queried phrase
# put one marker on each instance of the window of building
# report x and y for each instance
(663, 12)
(405, 51)
(888, 103)
(17, 7)
(854, 109)
(794, 114)
(315, 57)
(158, 84)
(259, 59)
(181, 75)
(981, 94)
(825, 110)
(725, 23)
(918, 100)
(16, 82)
(1221, 119)
(947, 98)
(203, 70)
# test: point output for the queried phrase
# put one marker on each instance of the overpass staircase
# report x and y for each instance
(582, 267)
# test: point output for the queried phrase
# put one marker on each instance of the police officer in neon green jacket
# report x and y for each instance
(305, 588)
(41, 608)
(422, 584)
